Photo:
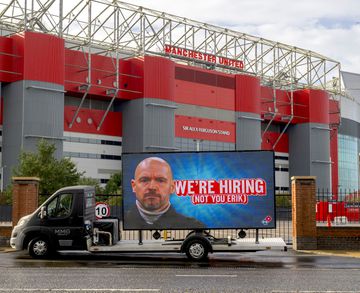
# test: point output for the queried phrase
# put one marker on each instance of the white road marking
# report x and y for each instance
(317, 291)
(211, 276)
(78, 290)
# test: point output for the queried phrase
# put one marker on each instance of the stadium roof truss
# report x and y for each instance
(121, 30)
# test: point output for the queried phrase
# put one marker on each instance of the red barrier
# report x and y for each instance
(330, 210)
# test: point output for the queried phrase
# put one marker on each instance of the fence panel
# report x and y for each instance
(283, 223)
(340, 208)
(5, 213)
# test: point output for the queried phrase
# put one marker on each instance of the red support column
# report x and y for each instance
(44, 58)
(159, 78)
(247, 94)
(247, 111)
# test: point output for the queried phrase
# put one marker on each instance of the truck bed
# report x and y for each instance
(238, 245)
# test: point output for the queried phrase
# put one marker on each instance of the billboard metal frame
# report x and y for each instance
(149, 154)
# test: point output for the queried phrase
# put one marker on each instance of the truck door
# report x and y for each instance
(64, 223)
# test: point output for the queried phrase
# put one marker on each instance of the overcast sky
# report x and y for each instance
(328, 27)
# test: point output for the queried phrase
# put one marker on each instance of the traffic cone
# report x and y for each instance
(328, 221)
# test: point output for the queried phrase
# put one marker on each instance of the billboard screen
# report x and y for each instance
(203, 190)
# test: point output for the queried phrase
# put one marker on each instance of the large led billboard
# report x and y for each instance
(198, 190)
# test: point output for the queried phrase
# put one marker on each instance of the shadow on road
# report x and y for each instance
(145, 260)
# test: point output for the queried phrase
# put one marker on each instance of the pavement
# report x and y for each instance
(344, 253)
(6, 249)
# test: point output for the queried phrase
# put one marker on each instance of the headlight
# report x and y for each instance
(23, 220)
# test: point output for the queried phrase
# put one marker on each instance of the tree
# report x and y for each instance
(53, 173)
(113, 186)
(91, 182)
(6, 197)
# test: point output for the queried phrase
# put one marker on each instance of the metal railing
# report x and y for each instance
(283, 224)
(5, 213)
(340, 208)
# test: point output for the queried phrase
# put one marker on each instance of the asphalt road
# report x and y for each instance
(269, 271)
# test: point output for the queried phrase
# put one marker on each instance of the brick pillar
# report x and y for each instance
(303, 212)
(25, 197)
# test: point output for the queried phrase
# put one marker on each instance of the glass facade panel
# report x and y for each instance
(185, 144)
(348, 162)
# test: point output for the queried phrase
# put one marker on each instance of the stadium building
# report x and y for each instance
(100, 79)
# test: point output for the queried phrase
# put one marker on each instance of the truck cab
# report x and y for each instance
(60, 223)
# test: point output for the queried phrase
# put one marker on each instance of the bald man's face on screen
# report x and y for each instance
(153, 184)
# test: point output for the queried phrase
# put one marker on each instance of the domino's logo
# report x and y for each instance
(266, 221)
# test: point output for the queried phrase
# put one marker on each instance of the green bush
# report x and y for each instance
(283, 201)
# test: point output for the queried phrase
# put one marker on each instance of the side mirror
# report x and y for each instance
(43, 212)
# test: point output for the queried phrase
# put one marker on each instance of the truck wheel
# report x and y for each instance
(196, 249)
(39, 248)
